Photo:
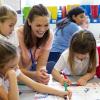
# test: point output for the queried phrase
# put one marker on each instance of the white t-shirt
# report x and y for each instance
(81, 67)
(12, 38)
(5, 83)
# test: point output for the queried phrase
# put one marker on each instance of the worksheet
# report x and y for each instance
(89, 92)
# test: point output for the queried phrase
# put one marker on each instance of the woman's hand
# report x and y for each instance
(42, 76)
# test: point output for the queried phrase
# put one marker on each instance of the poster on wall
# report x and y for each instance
(16, 4)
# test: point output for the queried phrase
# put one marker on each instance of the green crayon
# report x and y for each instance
(65, 85)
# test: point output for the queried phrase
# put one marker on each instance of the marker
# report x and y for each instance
(65, 85)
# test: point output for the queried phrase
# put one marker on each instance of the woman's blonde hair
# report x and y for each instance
(83, 42)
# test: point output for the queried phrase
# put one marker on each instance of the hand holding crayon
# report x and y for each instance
(69, 93)
(65, 85)
(66, 79)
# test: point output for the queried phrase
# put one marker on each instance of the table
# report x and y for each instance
(90, 91)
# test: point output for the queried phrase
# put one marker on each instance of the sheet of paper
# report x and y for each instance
(89, 92)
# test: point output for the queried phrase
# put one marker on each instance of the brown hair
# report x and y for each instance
(7, 52)
(6, 12)
(83, 42)
(36, 10)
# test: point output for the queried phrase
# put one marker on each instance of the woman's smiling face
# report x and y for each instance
(39, 25)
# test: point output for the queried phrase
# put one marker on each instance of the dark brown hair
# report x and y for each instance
(69, 18)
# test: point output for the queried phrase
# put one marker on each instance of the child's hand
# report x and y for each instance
(68, 81)
(67, 95)
(10, 73)
(81, 81)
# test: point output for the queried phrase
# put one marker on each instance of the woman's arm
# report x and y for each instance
(13, 92)
(3, 94)
(41, 62)
(42, 59)
(39, 75)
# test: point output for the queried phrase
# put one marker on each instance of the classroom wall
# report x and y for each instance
(1, 2)
(94, 27)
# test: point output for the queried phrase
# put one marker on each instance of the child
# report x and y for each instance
(85, 24)
(9, 72)
(79, 59)
(8, 19)
(65, 28)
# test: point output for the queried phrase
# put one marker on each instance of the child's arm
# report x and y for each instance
(41, 87)
(13, 93)
(83, 80)
(57, 76)
(3, 94)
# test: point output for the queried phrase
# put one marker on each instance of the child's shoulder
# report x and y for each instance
(65, 53)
